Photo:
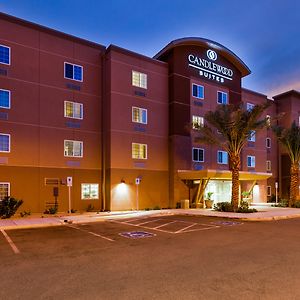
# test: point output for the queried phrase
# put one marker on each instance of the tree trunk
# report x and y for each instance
(235, 163)
(294, 184)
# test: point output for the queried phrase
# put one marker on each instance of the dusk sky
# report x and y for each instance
(265, 34)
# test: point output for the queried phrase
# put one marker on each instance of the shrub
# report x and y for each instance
(51, 211)
(9, 206)
(282, 203)
(223, 206)
(147, 208)
(244, 208)
(90, 208)
(297, 204)
(156, 207)
(25, 213)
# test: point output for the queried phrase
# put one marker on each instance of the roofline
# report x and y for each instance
(297, 93)
(238, 63)
(36, 26)
(113, 47)
(254, 92)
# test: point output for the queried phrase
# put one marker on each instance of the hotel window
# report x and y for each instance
(269, 190)
(268, 165)
(4, 190)
(222, 98)
(197, 122)
(268, 142)
(251, 161)
(198, 91)
(74, 72)
(139, 151)
(89, 191)
(198, 155)
(139, 79)
(4, 142)
(4, 99)
(222, 157)
(4, 55)
(268, 120)
(250, 106)
(251, 137)
(139, 115)
(73, 148)
(73, 110)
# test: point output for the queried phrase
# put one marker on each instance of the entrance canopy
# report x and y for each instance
(220, 174)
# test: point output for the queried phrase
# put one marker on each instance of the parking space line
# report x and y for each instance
(136, 219)
(206, 228)
(10, 242)
(147, 222)
(164, 225)
(92, 233)
(180, 230)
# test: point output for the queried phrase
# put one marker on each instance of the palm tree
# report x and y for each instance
(290, 139)
(235, 125)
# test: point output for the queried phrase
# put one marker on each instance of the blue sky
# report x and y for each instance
(265, 34)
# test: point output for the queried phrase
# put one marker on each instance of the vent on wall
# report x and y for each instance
(51, 181)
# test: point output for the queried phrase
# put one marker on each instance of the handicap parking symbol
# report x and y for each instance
(137, 234)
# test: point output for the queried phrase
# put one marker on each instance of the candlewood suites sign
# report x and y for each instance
(208, 68)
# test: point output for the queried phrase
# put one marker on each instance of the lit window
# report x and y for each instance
(139, 79)
(4, 55)
(4, 190)
(4, 142)
(197, 122)
(268, 120)
(89, 191)
(198, 155)
(73, 72)
(73, 148)
(198, 91)
(139, 151)
(251, 137)
(222, 98)
(4, 99)
(139, 115)
(222, 157)
(250, 106)
(269, 190)
(268, 165)
(251, 161)
(73, 110)
(268, 142)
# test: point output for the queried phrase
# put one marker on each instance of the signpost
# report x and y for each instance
(137, 183)
(69, 184)
(276, 192)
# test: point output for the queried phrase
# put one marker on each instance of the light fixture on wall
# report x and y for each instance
(122, 180)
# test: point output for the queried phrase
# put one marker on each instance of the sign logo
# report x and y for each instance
(211, 54)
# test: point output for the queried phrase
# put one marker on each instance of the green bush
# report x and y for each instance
(9, 206)
(223, 206)
(156, 207)
(51, 211)
(282, 203)
(297, 204)
(244, 208)
(25, 213)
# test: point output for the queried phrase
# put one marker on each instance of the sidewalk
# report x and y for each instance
(265, 213)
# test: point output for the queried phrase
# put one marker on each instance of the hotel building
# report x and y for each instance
(108, 128)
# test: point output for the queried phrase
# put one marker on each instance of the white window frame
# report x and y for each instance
(223, 153)
(8, 184)
(251, 137)
(140, 145)
(269, 190)
(198, 149)
(197, 120)
(223, 93)
(73, 103)
(249, 106)
(89, 198)
(252, 157)
(268, 165)
(73, 71)
(268, 144)
(140, 115)
(73, 141)
(198, 86)
(9, 55)
(141, 79)
(9, 142)
(9, 97)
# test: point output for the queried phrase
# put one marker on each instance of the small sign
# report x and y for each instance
(226, 223)
(69, 181)
(137, 234)
(137, 181)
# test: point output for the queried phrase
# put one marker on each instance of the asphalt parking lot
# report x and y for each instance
(162, 257)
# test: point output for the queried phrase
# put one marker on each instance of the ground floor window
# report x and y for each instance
(4, 190)
(89, 191)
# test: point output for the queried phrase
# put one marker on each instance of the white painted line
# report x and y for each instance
(206, 228)
(10, 242)
(92, 233)
(147, 222)
(132, 220)
(164, 225)
(180, 230)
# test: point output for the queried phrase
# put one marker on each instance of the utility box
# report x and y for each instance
(185, 204)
